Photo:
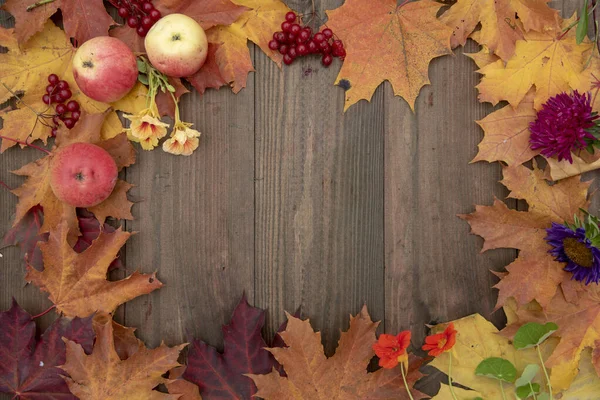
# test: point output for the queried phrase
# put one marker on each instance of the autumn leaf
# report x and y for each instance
(312, 376)
(575, 308)
(222, 375)
(483, 57)
(503, 22)
(551, 61)
(256, 25)
(25, 234)
(207, 13)
(103, 375)
(179, 386)
(209, 75)
(89, 227)
(82, 19)
(29, 365)
(37, 191)
(506, 134)
(534, 274)
(76, 283)
(164, 100)
(25, 69)
(557, 170)
(391, 45)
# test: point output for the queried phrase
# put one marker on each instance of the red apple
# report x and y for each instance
(105, 69)
(176, 45)
(82, 174)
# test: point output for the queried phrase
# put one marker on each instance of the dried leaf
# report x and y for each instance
(76, 283)
(179, 386)
(207, 13)
(312, 376)
(29, 366)
(164, 100)
(103, 375)
(25, 234)
(209, 75)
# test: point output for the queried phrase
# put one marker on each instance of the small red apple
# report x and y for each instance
(82, 174)
(105, 69)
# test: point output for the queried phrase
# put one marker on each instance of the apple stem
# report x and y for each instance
(44, 312)
(25, 144)
(39, 4)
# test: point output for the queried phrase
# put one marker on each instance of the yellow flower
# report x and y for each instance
(184, 140)
(146, 128)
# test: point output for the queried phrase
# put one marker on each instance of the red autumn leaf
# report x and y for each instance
(28, 366)
(164, 100)
(209, 75)
(82, 19)
(26, 234)
(222, 375)
(207, 13)
(89, 227)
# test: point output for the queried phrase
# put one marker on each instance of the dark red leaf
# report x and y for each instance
(164, 100)
(209, 75)
(207, 13)
(90, 230)
(29, 366)
(221, 376)
(26, 235)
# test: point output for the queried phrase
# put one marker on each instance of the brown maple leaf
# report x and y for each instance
(76, 282)
(179, 386)
(534, 274)
(164, 100)
(391, 44)
(313, 376)
(503, 22)
(103, 375)
(82, 19)
(37, 191)
(209, 75)
(207, 13)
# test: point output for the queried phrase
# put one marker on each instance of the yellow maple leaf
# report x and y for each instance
(256, 25)
(387, 42)
(25, 70)
(500, 29)
(551, 61)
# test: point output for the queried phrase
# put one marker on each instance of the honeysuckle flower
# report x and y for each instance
(441, 342)
(146, 128)
(566, 123)
(391, 349)
(578, 246)
(184, 140)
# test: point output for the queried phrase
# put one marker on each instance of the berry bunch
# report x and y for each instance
(139, 14)
(58, 92)
(295, 41)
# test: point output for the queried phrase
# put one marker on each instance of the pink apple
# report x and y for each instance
(105, 69)
(82, 174)
(176, 45)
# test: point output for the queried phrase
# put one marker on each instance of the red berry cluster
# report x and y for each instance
(139, 14)
(58, 92)
(295, 41)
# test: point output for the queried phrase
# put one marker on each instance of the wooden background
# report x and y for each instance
(299, 205)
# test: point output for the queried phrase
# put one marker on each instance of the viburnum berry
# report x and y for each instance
(292, 52)
(287, 60)
(327, 60)
(274, 44)
(138, 14)
(53, 79)
(61, 108)
(290, 17)
(328, 33)
(73, 106)
(283, 49)
(286, 26)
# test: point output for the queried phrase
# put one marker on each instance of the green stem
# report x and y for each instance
(39, 4)
(177, 117)
(405, 383)
(532, 391)
(545, 371)
(502, 390)
(450, 378)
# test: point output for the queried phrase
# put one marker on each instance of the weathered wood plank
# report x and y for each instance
(319, 195)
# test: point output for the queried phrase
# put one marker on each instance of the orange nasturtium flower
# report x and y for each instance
(441, 342)
(391, 349)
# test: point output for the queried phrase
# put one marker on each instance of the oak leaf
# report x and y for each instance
(37, 191)
(29, 366)
(103, 375)
(76, 282)
(312, 376)
(503, 22)
(391, 45)
(222, 375)
(551, 61)
(506, 134)
(534, 274)
(82, 19)
(25, 69)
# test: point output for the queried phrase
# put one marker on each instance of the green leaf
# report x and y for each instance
(524, 392)
(530, 371)
(170, 88)
(497, 368)
(582, 26)
(543, 396)
(533, 334)
(141, 66)
(143, 79)
(478, 398)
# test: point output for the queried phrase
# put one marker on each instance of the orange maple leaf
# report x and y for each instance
(312, 376)
(76, 282)
(179, 386)
(503, 22)
(36, 189)
(387, 42)
(103, 375)
(534, 275)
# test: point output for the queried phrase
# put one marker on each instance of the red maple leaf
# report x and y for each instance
(221, 375)
(28, 367)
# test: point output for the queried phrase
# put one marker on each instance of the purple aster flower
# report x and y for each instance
(565, 123)
(575, 249)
